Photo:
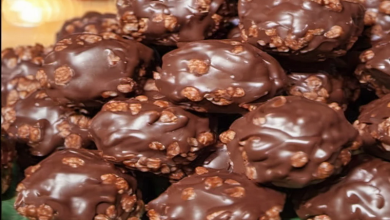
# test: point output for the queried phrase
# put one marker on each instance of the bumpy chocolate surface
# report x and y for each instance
(210, 194)
(374, 69)
(93, 23)
(374, 126)
(364, 193)
(378, 16)
(87, 68)
(150, 136)
(8, 156)
(77, 184)
(291, 142)
(219, 76)
(168, 22)
(43, 125)
(304, 30)
(19, 62)
(323, 82)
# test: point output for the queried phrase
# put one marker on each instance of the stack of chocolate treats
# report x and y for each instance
(204, 110)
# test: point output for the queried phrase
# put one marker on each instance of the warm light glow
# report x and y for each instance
(26, 13)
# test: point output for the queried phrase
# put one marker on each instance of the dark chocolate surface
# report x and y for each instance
(374, 126)
(43, 125)
(219, 159)
(291, 142)
(93, 23)
(77, 184)
(377, 17)
(85, 68)
(374, 69)
(303, 30)
(8, 156)
(219, 76)
(150, 136)
(364, 194)
(168, 22)
(216, 195)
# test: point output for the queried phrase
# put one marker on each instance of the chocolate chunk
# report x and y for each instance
(363, 193)
(150, 136)
(212, 195)
(8, 156)
(219, 76)
(77, 184)
(93, 23)
(377, 18)
(22, 61)
(169, 22)
(291, 142)
(303, 30)
(324, 82)
(85, 68)
(374, 126)
(374, 69)
(43, 125)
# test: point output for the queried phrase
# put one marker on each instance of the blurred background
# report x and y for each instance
(26, 22)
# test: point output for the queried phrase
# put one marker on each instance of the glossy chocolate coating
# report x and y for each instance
(219, 159)
(150, 92)
(377, 16)
(151, 136)
(77, 184)
(364, 194)
(324, 82)
(168, 22)
(85, 68)
(374, 126)
(219, 76)
(92, 23)
(290, 142)
(8, 156)
(43, 125)
(374, 69)
(211, 194)
(301, 29)
(19, 62)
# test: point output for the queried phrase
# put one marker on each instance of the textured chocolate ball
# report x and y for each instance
(324, 82)
(43, 125)
(211, 194)
(374, 70)
(377, 17)
(93, 23)
(374, 126)
(168, 22)
(363, 193)
(77, 184)
(150, 136)
(219, 76)
(8, 156)
(22, 61)
(303, 30)
(291, 142)
(86, 69)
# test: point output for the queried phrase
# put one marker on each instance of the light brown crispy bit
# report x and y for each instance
(299, 159)
(232, 182)
(108, 178)
(116, 106)
(111, 211)
(198, 66)
(173, 149)
(167, 117)
(153, 163)
(170, 22)
(201, 170)
(227, 136)
(259, 121)
(73, 161)
(128, 202)
(101, 217)
(325, 170)
(206, 138)
(135, 108)
(121, 184)
(215, 215)
(272, 214)
(345, 156)
(236, 192)
(367, 55)
(156, 146)
(112, 58)
(212, 182)
(73, 141)
(63, 75)
(384, 7)
(41, 77)
(192, 94)
(279, 101)
(45, 212)
(251, 172)
(153, 215)
(188, 194)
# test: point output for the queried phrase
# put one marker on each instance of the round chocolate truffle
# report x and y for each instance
(301, 29)
(291, 142)
(323, 82)
(374, 69)
(150, 136)
(86, 68)
(364, 193)
(219, 76)
(374, 126)
(377, 16)
(78, 184)
(43, 125)
(22, 61)
(92, 23)
(216, 194)
(168, 22)
(8, 156)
